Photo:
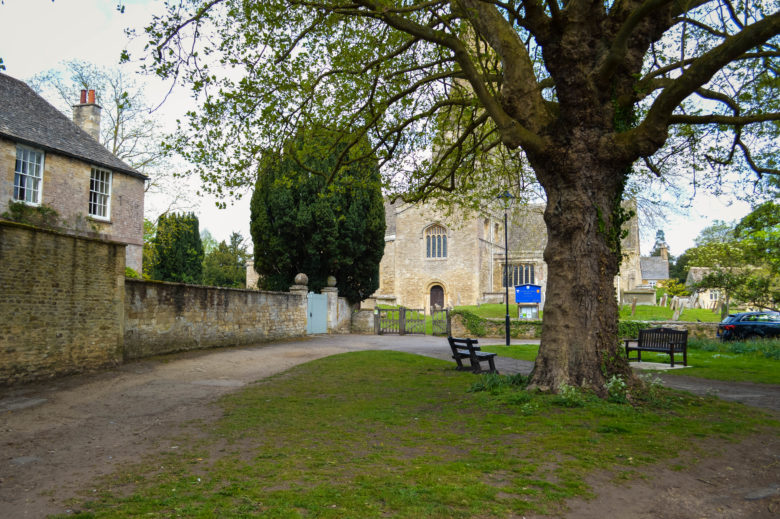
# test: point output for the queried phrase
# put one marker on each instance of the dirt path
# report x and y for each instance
(55, 437)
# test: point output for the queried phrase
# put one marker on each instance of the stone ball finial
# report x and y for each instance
(331, 281)
(301, 279)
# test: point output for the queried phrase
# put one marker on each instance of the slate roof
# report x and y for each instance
(27, 118)
(654, 267)
(527, 230)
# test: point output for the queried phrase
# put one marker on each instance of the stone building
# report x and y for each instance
(701, 297)
(47, 159)
(434, 260)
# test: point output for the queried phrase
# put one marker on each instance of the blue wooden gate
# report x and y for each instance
(318, 314)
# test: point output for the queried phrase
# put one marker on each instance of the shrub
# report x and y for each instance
(132, 274)
(474, 324)
(649, 391)
(495, 383)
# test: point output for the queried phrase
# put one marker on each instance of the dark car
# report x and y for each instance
(750, 325)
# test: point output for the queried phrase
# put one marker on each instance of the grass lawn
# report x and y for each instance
(642, 313)
(518, 351)
(379, 434)
(492, 311)
(749, 361)
(662, 313)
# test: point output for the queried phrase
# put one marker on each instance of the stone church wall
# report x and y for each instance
(408, 274)
(473, 270)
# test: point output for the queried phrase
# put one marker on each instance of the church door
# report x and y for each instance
(437, 296)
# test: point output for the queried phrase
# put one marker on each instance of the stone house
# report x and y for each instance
(703, 297)
(431, 259)
(654, 269)
(47, 159)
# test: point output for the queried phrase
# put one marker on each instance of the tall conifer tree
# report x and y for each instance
(303, 223)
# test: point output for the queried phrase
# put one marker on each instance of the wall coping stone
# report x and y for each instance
(231, 289)
(4, 222)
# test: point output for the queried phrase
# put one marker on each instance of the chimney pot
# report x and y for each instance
(86, 115)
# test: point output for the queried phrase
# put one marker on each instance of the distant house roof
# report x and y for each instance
(27, 118)
(654, 267)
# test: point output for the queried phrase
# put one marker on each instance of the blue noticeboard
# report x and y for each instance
(528, 294)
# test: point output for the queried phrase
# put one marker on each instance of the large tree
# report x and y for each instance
(301, 223)
(589, 92)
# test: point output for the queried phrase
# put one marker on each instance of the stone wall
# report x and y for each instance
(363, 321)
(339, 311)
(61, 303)
(167, 317)
(497, 328)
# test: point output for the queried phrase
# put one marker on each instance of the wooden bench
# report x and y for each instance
(660, 340)
(469, 349)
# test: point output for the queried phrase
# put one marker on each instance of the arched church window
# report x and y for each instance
(435, 242)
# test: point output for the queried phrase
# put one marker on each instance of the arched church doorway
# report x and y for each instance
(437, 296)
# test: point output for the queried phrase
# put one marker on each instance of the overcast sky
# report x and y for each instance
(38, 35)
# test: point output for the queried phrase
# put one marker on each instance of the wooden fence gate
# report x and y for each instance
(402, 321)
(441, 322)
(410, 321)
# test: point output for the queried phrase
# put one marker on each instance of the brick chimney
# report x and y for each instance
(86, 114)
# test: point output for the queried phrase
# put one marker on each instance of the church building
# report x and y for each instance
(434, 260)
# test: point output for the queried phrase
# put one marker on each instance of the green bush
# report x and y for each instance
(494, 383)
(474, 324)
(569, 396)
(132, 274)
(630, 329)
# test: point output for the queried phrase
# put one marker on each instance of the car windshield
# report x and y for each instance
(729, 318)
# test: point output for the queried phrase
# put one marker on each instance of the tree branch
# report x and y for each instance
(199, 14)
(522, 97)
(652, 131)
(514, 134)
(619, 48)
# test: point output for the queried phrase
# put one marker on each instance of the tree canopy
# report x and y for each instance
(745, 265)
(301, 223)
(454, 95)
(224, 265)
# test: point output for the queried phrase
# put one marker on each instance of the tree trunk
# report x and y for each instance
(579, 344)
